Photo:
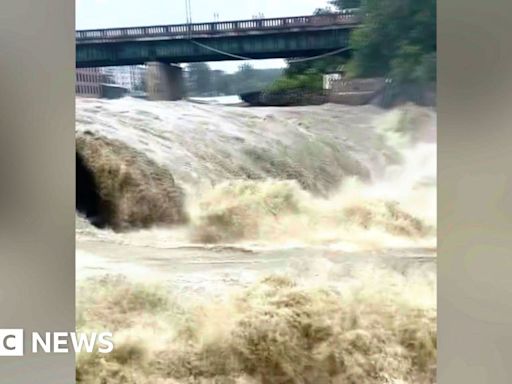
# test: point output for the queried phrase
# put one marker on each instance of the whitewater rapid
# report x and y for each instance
(304, 164)
(267, 188)
(308, 254)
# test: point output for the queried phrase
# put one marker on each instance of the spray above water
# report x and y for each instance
(280, 212)
(356, 177)
(381, 329)
(293, 189)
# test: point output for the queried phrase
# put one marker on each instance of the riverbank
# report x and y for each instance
(357, 92)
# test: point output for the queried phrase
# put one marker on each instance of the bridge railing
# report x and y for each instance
(201, 29)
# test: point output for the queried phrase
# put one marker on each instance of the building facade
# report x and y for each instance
(130, 77)
(88, 82)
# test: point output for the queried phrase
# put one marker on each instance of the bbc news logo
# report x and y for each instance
(12, 342)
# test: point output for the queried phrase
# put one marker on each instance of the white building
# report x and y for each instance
(88, 82)
(330, 79)
(128, 76)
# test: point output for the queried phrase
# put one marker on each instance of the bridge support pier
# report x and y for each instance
(164, 81)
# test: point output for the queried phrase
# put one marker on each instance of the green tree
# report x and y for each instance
(306, 75)
(346, 4)
(323, 11)
(246, 71)
(199, 78)
(247, 78)
(202, 81)
(397, 39)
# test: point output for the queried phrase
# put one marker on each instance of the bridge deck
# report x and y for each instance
(215, 29)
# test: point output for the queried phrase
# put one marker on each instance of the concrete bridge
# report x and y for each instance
(164, 45)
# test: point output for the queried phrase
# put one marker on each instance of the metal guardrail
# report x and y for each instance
(213, 28)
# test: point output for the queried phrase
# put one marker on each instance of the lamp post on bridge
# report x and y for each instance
(188, 10)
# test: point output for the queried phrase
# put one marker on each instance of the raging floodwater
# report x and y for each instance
(307, 254)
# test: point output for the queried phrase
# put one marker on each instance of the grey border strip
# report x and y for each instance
(37, 270)
(475, 191)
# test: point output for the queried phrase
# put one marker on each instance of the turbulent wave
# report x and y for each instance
(276, 212)
(378, 328)
(207, 144)
(357, 176)
(319, 181)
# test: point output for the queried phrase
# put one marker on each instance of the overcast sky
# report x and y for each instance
(91, 14)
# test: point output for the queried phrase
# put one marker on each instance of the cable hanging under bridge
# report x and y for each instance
(301, 60)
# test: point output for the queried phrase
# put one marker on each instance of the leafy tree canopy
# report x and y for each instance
(397, 39)
(203, 81)
(346, 4)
